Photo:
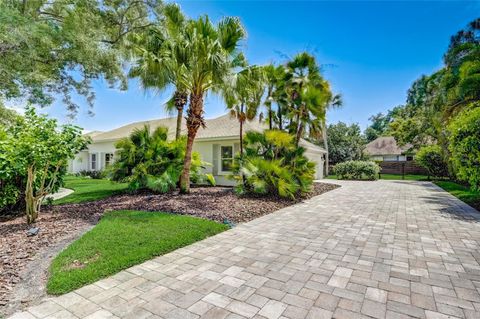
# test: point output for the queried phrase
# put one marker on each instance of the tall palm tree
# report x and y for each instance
(275, 86)
(321, 127)
(160, 60)
(242, 94)
(307, 97)
(212, 55)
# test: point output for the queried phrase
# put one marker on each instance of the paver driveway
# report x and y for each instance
(386, 249)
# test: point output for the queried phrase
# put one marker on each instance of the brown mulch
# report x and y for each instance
(58, 222)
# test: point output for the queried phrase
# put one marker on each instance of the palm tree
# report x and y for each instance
(212, 54)
(275, 87)
(160, 59)
(242, 94)
(306, 93)
(335, 102)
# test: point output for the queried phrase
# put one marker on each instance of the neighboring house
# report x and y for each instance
(217, 144)
(385, 149)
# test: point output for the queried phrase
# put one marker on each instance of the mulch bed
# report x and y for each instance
(59, 222)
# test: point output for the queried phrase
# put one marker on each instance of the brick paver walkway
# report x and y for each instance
(381, 249)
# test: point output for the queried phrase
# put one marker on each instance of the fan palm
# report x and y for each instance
(161, 58)
(275, 87)
(308, 94)
(212, 54)
(242, 94)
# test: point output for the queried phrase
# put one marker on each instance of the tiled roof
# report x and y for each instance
(221, 127)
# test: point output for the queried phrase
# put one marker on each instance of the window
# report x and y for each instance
(108, 159)
(409, 158)
(226, 158)
(93, 162)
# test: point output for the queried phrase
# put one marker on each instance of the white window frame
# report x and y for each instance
(110, 161)
(93, 162)
(220, 170)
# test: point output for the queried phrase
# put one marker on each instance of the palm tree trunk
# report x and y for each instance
(270, 118)
(299, 134)
(179, 123)
(280, 119)
(325, 145)
(180, 101)
(194, 121)
(241, 131)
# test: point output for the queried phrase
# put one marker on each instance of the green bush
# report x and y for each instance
(91, 174)
(431, 158)
(357, 170)
(465, 146)
(273, 165)
(149, 161)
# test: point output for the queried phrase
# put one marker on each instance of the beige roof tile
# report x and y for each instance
(221, 127)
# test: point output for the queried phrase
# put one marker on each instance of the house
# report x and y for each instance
(217, 144)
(386, 149)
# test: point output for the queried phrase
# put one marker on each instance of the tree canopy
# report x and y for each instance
(51, 49)
(345, 142)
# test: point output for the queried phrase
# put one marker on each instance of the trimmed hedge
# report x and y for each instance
(357, 170)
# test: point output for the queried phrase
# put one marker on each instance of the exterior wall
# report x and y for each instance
(209, 151)
(318, 159)
(389, 158)
(79, 163)
(82, 160)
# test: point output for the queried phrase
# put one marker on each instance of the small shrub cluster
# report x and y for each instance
(431, 158)
(357, 170)
(273, 165)
(465, 146)
(91, 174)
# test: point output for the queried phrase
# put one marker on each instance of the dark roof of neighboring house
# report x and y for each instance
(385, 145)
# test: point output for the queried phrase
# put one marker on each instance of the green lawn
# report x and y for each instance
(409, 177)
(120, 240)
(88, 189)
(461, 192)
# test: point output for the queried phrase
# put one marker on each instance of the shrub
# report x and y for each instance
(149, 161)
(34, 152)
(431, 158)
(92, 174)
(357, 170)
(465, 146)
(272, 164)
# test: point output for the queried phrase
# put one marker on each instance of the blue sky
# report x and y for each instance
(370, 51)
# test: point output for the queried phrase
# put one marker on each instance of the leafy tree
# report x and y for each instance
(345, 142)
(54, 48)
(212, 56)
(7, 116)
(160, 58)
(36, 150)
(380, 123)
(274, 165)
(242, 93)
(147, 160)
(464, 145)
(431, 158)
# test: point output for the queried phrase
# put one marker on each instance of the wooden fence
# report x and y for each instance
(409, 167)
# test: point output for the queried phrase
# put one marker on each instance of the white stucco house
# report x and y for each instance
(217, 145)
